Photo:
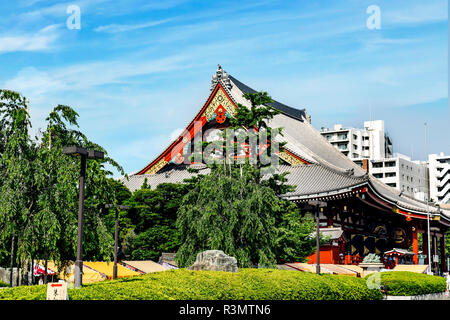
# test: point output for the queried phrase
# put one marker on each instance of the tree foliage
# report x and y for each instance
(149, 228)
(39, 187)
(17, 190)
(236, 208)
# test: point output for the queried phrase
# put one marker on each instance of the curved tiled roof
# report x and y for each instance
(317, 179)
(329, 170)
(308, 179)
(298, 114)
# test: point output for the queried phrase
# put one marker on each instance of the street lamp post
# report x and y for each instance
(84, 154)
(428, 209)
(116, 234)
(318, 205)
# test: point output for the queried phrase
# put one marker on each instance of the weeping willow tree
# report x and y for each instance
(236, 208)
(39, 188)
(17, 190)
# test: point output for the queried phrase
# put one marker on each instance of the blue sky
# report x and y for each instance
(137, 71)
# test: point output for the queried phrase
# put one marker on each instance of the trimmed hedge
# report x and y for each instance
(247, 284)
(3, 284)
(405, 283)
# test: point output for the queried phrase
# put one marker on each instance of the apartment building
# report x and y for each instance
(400, 172)
(439, 166)
(372, 142)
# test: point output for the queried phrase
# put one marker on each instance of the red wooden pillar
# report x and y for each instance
(348, 259)
(415, 246)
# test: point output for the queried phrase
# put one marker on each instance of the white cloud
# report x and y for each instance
(424, 12)
(175, 134)
(88, 75)
(39, 41)
(115, 28)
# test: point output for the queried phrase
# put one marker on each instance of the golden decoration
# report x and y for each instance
(289, 158)
(220, 98)
(158, 166)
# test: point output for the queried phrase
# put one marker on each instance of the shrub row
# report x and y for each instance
(247, 284)
(405, 283)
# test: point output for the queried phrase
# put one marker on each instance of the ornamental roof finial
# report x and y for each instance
(222, 76)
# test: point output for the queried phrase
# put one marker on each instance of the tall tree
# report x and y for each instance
(57, 177)
(39, 187)
(17, 190)
(236, 208)
(151, 219)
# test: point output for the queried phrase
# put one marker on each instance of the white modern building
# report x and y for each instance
(439, 165)
(374, 144)
(400, 172)
(369, 143)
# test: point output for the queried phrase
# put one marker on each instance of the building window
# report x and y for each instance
(390, 174)
(355, 136)
(378, 175)
(389, 164)
(377, 164)
(355, 147)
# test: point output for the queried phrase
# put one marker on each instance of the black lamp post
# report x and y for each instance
(319, 205)
(84, 154)
(116, 234)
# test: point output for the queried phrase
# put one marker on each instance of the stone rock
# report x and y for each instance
(214, 260)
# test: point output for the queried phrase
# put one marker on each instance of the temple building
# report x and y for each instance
(365, 215)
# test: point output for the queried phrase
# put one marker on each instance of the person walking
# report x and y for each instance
(448, 284)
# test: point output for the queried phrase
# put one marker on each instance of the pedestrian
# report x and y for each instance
(448, 284)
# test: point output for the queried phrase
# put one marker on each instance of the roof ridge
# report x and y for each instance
(298, 114)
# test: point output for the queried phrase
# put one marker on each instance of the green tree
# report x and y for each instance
(39, 188)
(236, 208)
(17, 190)
(150, 223)
(57, 177)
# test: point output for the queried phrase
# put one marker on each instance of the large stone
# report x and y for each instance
(215, 260)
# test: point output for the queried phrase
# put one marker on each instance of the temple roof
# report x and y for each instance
(298, 114)
(309, 179)
(327, 172)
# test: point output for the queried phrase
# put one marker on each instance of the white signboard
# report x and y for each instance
(57, 291)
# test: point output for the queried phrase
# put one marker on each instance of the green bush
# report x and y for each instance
(2, 284)
(405, 283)
(247, 284)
